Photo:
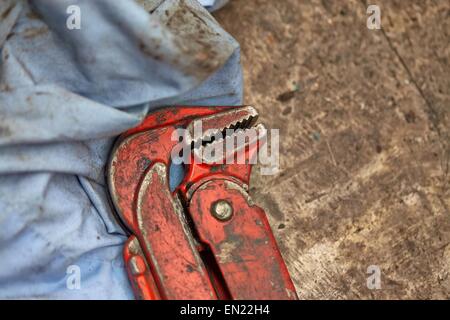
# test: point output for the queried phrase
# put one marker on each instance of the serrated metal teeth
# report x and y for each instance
(233, 119)
(239, 140)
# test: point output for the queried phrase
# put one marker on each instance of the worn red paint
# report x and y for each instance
(199, 257)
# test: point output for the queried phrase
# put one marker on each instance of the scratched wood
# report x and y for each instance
(364, 118)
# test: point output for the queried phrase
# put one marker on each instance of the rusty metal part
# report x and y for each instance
(206, 239)
(175, 262)
(244, 247)
(222, 210)
(139, 273)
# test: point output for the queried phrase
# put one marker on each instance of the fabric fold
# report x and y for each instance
(65, 95)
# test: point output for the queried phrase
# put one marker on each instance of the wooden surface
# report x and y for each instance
(364, 118)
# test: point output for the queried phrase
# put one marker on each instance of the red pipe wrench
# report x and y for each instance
(206, 239)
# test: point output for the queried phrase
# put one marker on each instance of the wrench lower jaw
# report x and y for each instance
(240, 238)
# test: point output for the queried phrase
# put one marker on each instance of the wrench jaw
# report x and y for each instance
(234, 146)
(160, 226)
(238, 236)
(203, 129)
(226, 150)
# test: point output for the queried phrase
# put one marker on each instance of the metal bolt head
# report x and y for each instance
(222, 210)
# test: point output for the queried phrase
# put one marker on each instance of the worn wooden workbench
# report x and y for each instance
(365, 120)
